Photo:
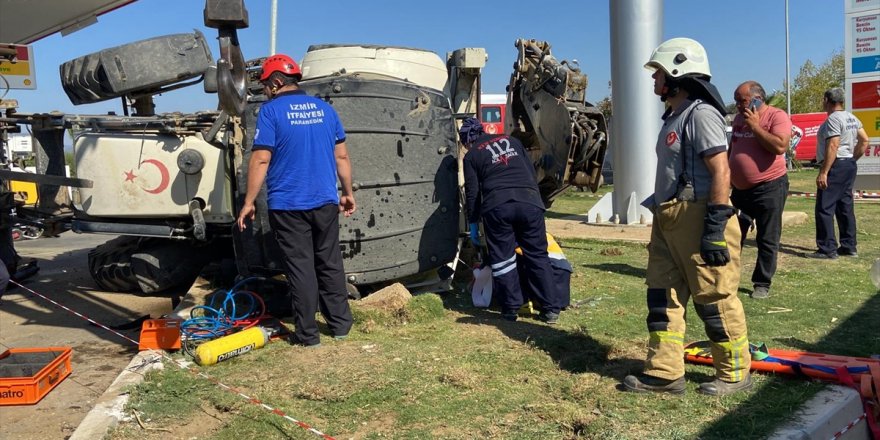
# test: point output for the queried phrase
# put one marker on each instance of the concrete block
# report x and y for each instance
(794, 218)
(826, 414)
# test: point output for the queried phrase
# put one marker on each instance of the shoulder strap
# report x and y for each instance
(686, 121)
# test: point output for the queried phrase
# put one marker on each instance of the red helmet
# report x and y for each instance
(280, 63)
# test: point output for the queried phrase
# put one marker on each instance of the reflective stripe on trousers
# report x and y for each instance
(676, 274)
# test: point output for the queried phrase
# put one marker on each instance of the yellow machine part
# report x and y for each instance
(27, 188)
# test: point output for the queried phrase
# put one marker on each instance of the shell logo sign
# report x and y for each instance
(17, 67)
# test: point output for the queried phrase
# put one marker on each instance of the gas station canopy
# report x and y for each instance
(26, 21)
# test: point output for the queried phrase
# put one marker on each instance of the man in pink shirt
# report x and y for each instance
(759, 140)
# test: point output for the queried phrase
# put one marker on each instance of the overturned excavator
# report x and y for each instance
(170, 184)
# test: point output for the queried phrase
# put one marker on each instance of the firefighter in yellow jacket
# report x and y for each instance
(694, 251)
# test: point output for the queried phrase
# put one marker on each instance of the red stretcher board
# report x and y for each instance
(698, 353)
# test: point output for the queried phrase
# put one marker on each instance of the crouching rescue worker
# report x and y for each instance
(501, 188)
(694, 251)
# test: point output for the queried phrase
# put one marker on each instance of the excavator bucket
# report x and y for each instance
(565, 136)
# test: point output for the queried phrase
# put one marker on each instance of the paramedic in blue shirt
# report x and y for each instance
(299, 151)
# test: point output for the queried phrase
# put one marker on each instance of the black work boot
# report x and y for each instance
(509, 316)
(549, 317)
(761, 292)
(644, 383)
(719, 387)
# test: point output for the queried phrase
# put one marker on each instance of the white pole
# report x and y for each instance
(273, 20)
(787, 65)
(636, 29)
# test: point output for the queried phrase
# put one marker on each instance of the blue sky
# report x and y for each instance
(745, 39)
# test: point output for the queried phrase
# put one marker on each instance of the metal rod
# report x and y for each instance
(636, 29)
(45, 179)
(273, 22)
(787, 65)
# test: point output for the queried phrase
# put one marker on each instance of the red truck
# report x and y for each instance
(809, 124)
(492, 112)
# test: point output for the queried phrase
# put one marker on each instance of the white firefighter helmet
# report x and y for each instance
(680, 56)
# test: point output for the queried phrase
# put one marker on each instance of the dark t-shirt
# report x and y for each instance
(498, 170)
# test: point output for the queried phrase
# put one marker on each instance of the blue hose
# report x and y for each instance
(219, 319)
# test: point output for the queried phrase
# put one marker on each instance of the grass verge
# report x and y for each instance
(444, 369)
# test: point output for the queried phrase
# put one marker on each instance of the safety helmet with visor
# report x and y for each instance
(680, 57)
(280, 63)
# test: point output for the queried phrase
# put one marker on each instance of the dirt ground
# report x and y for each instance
(27, 320)
(575, 226)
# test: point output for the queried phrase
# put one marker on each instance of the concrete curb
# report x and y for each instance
(825, 416)
(108, 410)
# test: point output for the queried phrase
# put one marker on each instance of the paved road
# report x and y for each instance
(27, 320)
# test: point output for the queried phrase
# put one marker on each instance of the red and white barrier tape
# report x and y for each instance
(185, 367)
(74, 312)
(849, 426)
(856, 195)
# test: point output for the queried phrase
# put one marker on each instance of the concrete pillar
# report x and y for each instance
(636, 29)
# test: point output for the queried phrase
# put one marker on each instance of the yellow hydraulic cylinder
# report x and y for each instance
(230, 346)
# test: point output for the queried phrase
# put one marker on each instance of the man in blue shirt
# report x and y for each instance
(299, 151)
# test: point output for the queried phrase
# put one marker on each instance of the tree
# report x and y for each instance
(776, 99)
(604, 105)
(812, 82)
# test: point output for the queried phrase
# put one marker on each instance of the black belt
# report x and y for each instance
(839, 159)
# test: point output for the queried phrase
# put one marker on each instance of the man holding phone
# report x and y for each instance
(760, 138)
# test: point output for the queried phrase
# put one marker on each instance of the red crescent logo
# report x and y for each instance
(163, 184)
(490, 129)
(671, 138)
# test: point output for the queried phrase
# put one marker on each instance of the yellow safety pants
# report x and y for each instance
(677, 273)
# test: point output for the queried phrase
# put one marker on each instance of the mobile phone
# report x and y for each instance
(756, 102)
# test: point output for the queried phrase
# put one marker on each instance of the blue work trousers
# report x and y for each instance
(515, 224)
(836, 201)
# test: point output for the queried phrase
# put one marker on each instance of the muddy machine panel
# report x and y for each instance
(151, 176)
(401, 141)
